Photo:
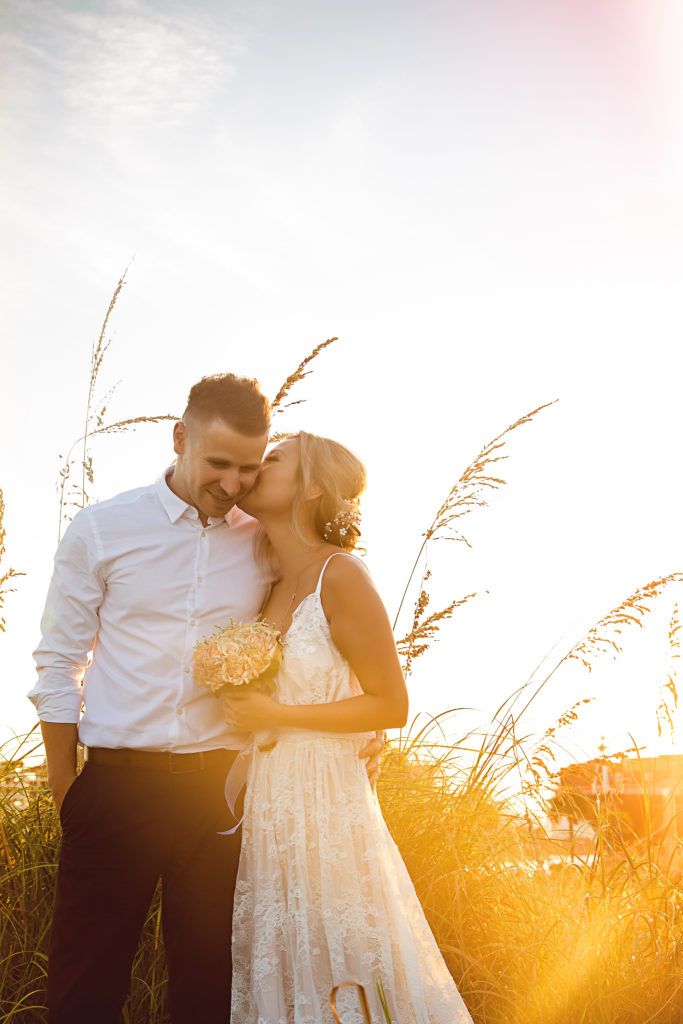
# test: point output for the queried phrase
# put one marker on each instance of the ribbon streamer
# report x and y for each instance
(236, 781)
(238, 777)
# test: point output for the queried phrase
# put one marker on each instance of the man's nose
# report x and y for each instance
(230, 483)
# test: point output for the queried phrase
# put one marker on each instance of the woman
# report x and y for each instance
(322, 894)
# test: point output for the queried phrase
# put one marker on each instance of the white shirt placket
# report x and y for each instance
(195, 600)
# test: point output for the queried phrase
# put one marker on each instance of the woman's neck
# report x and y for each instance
(293, 553)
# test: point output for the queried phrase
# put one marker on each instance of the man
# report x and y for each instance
(138, 580)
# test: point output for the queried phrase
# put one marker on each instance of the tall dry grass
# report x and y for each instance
(470, 491)
(7, 574)
(530, 935)
(74, 494)
(29, 845)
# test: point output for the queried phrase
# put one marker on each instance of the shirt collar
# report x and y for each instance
(175, 507)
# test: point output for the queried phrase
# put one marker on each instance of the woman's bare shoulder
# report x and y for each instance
(346, 572)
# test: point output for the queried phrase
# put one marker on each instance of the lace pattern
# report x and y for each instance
(322, 894)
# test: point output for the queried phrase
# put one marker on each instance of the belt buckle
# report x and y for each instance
(177, 759)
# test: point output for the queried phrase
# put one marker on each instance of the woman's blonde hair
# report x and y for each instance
(339, 475)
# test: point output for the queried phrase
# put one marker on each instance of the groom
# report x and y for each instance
(138, 579)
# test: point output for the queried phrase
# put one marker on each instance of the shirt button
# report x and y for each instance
(203, 534)
(200, 579)
(193, 622)
(187, 671)
(179, 711)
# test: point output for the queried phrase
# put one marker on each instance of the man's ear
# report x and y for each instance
(179, 437)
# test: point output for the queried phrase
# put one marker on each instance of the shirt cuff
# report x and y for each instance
(57, 707)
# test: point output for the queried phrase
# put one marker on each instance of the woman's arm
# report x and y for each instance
(362, 633)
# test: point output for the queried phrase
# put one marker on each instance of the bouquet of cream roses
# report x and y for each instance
(242, 654)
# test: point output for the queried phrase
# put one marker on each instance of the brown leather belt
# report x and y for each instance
(160, 760)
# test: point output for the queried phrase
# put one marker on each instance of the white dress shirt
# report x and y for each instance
(138, 580)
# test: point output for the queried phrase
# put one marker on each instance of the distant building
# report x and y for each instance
(638, 797)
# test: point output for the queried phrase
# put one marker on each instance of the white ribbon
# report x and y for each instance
(238, 776)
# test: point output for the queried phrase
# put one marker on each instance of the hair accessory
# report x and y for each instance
(346, 519)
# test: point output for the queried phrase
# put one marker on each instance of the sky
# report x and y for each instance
(482, 200)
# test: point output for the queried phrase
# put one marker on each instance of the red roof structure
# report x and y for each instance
(641, 796)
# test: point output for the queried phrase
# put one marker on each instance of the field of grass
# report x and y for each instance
(530, 936)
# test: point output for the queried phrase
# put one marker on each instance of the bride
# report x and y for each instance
(322, 894)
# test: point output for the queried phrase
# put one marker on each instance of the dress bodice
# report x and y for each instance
(313, 670)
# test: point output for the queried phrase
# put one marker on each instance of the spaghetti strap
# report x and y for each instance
(322, 571)
(334, 555)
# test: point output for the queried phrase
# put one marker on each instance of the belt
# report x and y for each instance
(159, 760)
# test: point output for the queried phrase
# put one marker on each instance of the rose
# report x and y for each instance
(242, 654)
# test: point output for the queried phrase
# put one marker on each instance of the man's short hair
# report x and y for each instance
(238, 401)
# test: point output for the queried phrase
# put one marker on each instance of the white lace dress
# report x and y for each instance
(322, 894)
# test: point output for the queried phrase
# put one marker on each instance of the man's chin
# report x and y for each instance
(219, 509)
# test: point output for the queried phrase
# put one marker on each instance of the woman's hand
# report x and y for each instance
(371, 753)
(251, 711)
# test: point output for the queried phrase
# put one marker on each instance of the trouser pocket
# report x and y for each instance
(71, 798)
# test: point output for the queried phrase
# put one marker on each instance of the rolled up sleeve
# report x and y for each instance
(69, 625)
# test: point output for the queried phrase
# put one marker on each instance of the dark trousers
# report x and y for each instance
(122, 831)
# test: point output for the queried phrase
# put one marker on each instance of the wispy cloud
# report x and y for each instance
(118, 64)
